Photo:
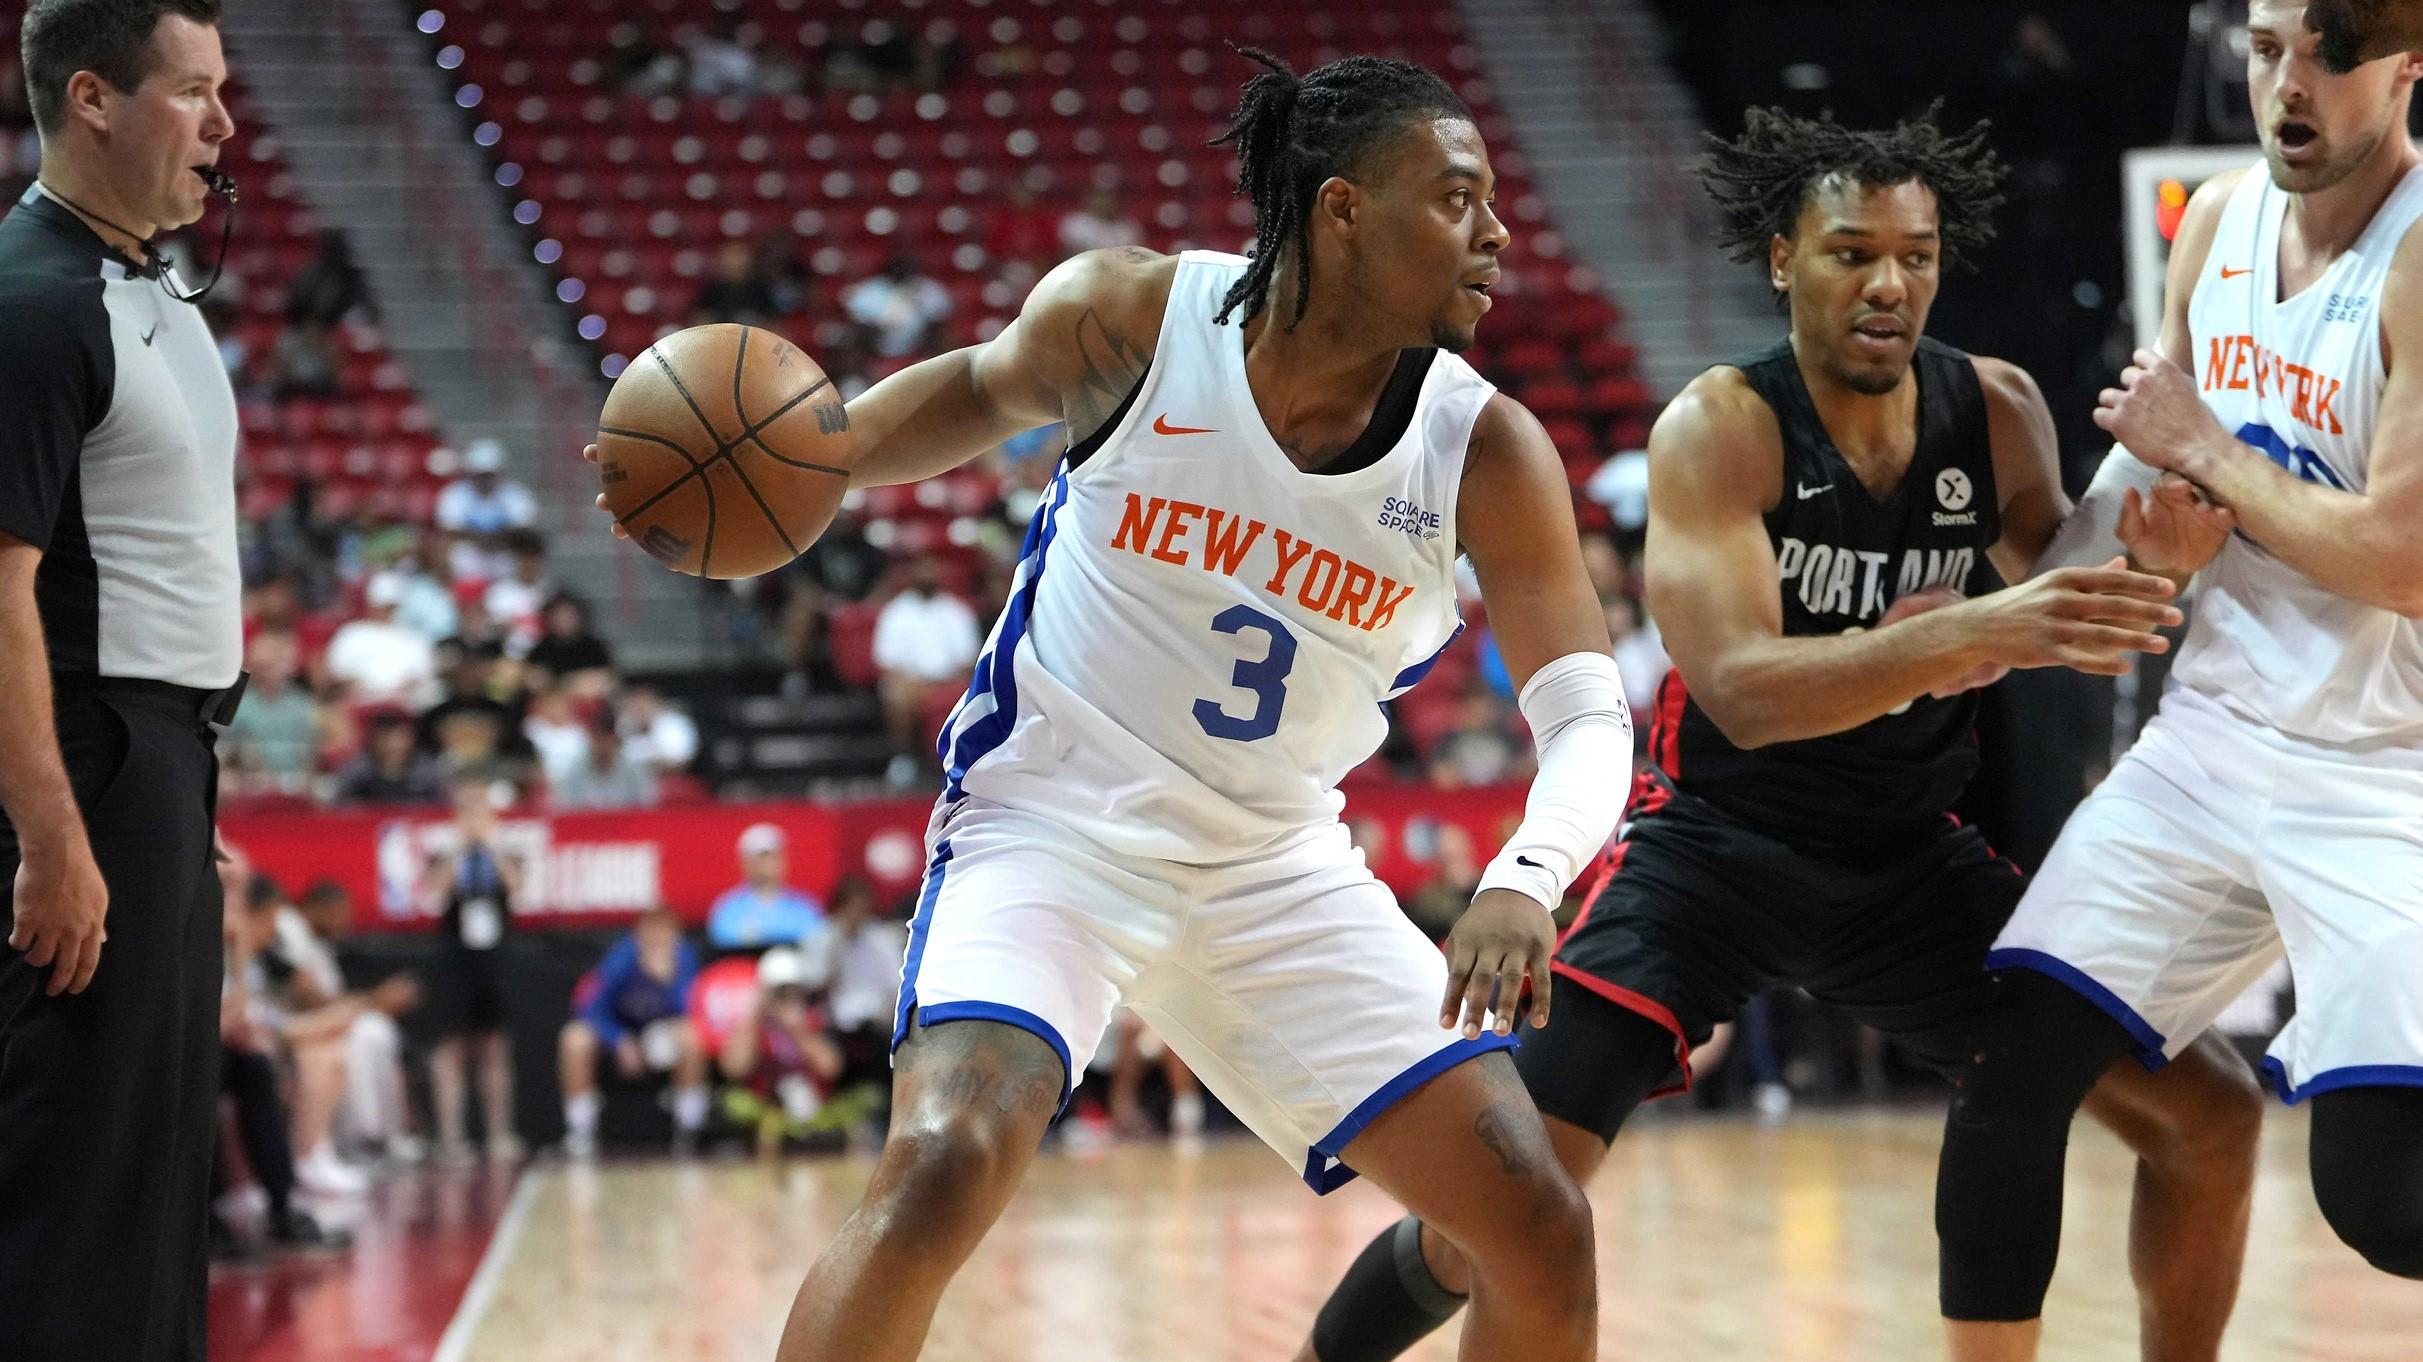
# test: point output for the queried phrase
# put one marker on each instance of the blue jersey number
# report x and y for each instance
(1266, 677)
(2297, 459)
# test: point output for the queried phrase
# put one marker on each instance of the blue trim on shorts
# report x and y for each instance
(1322, 1171)
(1019, 1017)
(2331, 1080)
(2149, 1041)
(996, 670)
(919, 924)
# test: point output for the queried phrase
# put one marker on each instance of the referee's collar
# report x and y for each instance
(39, 205)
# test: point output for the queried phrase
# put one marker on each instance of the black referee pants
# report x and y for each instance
(109, 1098)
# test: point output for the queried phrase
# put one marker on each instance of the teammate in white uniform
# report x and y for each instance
(2276, 801)
(1248, 549)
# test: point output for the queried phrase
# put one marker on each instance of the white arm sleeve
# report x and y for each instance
(2090, 537)
(1583, 732)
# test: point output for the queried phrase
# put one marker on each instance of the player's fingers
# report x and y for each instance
(1483, 988)
(1459, 978)
(589, 452)
(2110, 640)
(2134, 610)
(1509, 993)
(2132, 514)
(43, 946)
(2119, 581)
(88, 963)
(1541, 973)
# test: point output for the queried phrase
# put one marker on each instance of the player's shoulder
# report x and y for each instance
(1117, 281)
(2201, 220)
(1719, 407)
(2007, 388)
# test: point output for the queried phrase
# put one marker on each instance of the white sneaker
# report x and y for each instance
(322, 1172)
(580, 1144)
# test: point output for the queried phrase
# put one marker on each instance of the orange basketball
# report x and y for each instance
(723, 451)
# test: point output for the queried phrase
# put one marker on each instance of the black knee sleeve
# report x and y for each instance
(1998, 1189)
(2367, 1160)
(1387, 1301)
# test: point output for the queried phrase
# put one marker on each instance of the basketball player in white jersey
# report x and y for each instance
(2275, 804)
(1249, 547)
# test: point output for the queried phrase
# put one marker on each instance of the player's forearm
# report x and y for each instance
(34, 789)
(2346, 542)
(927, 419)
(1786, 689)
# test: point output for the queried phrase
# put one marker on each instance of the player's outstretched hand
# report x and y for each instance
(1499, 939)
(2176, 530)
(589, 452)
(2087, 619)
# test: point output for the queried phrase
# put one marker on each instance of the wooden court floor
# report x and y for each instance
(1718, 1242)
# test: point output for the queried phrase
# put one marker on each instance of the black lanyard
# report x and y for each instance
(153, 265)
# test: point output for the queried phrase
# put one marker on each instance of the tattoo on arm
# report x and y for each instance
(1499, 1138)
(1112, 365)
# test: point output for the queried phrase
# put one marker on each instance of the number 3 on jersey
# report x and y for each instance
(1265, 676)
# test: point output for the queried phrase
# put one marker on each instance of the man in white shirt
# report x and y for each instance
(925, 640)
(898, 307)
(377, 659)
(481, 506)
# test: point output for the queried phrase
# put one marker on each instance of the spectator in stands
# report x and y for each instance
(482, 506)
(376, 658)
(1480, 750)
(375, 1116)
(1622, 486)
(469, 673)
(427, 606)
(390, 769)
(329, 287)
(515, 600)
(262, 1146)
(763, 910)
(608, 775)
(637, 1011)
(1455, 876)
(273, 745)
(1098, 224)
(781, 1058)
(568, 652)
(898, 308)
(641, 65)
(470, 746)
(328, 1031)
(721, 65)
(1640, 655)
(862, 951)
(304, 362)
(655, 733)
(474, 883)
(1023, 231)
(925, 641)
(740, 290)
(556, 734)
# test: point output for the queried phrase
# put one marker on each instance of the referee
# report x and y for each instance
(120, 639)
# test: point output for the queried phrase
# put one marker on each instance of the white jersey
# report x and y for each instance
(2300, 380)
(1199, 635)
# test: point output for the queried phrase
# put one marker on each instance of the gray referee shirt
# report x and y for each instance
(117, 457)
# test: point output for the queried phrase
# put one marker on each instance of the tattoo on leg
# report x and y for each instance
(971, 1064)
(1498, 1136)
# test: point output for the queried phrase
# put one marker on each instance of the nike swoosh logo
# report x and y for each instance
(1519, 860)
(1161, 426)
(2228, 273)
(155, 330)
(1807, 491)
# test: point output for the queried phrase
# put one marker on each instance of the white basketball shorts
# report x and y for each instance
(2215, 845)
(1289, 981)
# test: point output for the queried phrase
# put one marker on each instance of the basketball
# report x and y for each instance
(723, 451)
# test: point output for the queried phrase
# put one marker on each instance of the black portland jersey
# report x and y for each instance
(1842, 556)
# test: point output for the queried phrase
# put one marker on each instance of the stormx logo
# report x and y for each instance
(1400, 514)
(1953, 493)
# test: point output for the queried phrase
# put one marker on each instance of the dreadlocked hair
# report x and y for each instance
(1761, 179)
(1292, 133)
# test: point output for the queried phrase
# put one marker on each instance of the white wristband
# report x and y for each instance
(1582, 730)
